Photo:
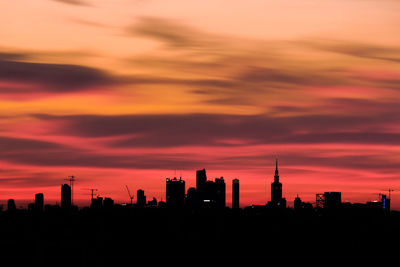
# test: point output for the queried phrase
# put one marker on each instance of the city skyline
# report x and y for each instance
(205, 192)
(212, 131)
(125, 92)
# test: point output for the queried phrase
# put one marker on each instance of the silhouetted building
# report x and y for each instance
(11, 205)
(31, 207)
(319, 201)
(97, 203)
(39, 202)
(213, 193)
(152, 203)
(209, 193)
(220, 192)
(297, 203)
(379, 206)
(385, 203)
(201, 179)
(175, 193)
(65, 196)
(141, 198)
(300, 205)
(108, 203)
(332, 200)
(191, 198)
(235, 193)
(276, 190)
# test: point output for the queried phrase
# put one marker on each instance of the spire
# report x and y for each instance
(276, 171)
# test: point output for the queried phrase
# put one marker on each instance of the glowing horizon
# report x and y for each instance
(126, 92)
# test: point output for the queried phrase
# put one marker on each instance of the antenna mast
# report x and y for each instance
(71, 180)
(390, 191)
(92, 189)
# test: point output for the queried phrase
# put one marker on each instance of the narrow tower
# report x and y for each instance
(201, 180)
(235, 194)
(276, 188)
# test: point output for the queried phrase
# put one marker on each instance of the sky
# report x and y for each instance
(130, 92)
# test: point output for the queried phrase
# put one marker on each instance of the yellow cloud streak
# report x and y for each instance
(101, 105)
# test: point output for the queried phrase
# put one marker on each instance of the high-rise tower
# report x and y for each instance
(201, 180)
(65, 196)
(140, 198)
(39, 202)
(276, 188)
(175, 193)
(220, 192)
(235, 193)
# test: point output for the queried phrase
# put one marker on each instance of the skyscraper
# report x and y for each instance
(276, 188)
(191, 198)
(208, 194)
(235, 193)
(333, 200)
(65, 196)
(385, 203)
(297, 203)
(11, 205)
(220, 192)
(201, 179)
(39, 202)
(175, 193)
(97, 203)
(141, 198)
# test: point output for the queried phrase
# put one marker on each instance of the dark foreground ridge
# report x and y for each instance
(195, 228)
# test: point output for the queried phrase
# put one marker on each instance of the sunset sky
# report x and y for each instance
(125, 92)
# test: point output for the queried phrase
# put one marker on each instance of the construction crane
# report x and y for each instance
(92, 191)
(129, 193)
(71, 180)
(390, 191)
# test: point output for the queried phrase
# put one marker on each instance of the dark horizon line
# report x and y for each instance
(185, 195)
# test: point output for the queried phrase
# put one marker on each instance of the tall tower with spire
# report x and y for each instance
(276, 188)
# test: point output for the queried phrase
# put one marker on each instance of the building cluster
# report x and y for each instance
(207, 194)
